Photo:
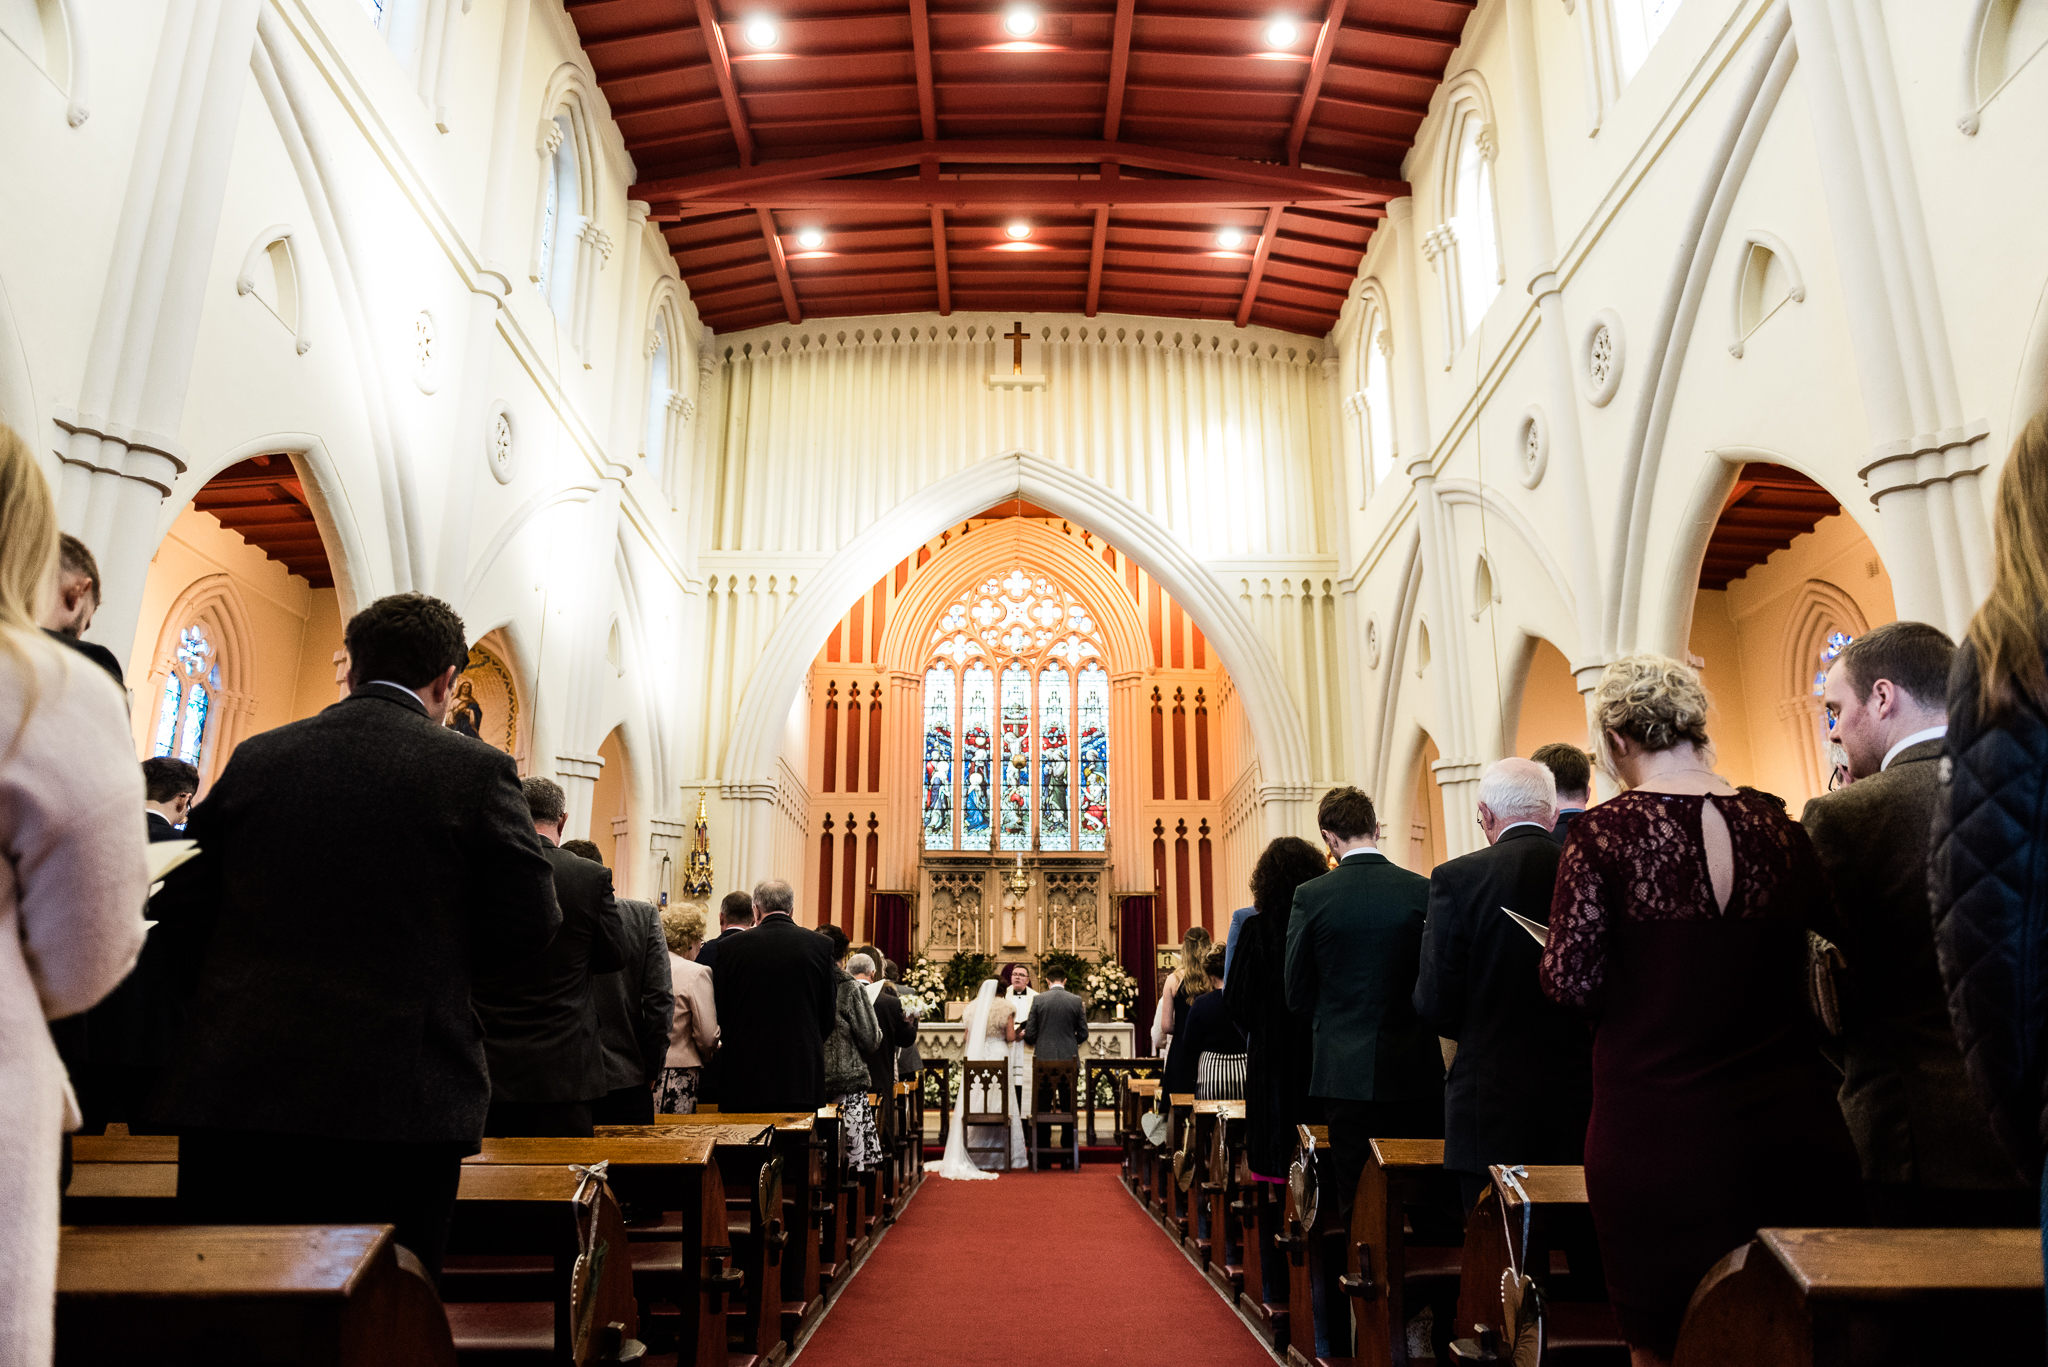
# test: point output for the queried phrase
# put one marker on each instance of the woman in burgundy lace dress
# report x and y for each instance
(1679, 927)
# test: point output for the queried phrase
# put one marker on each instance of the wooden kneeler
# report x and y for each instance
(1055, 1100)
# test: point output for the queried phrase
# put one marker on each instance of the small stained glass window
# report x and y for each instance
(167, 716)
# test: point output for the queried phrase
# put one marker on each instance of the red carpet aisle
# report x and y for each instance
(1032, 1268)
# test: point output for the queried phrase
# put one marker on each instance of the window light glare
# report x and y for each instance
(810, 239)
(1020, 21)
(761, 32)
(1230, 238)
(1018, 231)
(1281, 33)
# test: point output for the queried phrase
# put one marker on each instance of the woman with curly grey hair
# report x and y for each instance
(1678, 926)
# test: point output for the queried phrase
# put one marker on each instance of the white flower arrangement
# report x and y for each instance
(1109, 988)
(923, 990)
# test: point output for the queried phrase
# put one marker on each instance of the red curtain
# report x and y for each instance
(892, 926)
(1139, 955)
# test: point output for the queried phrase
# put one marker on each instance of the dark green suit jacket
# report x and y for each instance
(1354, 948)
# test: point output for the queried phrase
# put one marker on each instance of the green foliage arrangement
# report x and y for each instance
(965, 974)
(1073, 965)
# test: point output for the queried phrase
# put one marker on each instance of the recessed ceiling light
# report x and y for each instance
(1230, 237)
(810, 239)
(1282, 33)
(1018, 231)
(1020, 21)
(761, 32)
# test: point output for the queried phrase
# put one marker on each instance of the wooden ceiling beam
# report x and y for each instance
(779, 261)
(735, 114)
(1031, 195)
(1318, 64)
(921, 57)
(1258, 271)
(1119, 69)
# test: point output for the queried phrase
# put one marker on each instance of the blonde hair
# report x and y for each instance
(1194, 977)
(1654, 701)
(28, 560)
(682, 925)
(2007, 631)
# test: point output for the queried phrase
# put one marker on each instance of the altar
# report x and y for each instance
(1020, 906)
(946, 1041)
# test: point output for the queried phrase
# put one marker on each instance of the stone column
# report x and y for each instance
(119, 447)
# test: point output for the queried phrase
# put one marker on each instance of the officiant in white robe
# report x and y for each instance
(1018, 994)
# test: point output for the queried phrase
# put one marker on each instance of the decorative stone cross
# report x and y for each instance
(1015, 337)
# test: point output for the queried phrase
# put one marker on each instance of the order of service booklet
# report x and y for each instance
(1538, 932)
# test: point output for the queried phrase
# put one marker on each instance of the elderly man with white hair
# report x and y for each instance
(1521, 1084)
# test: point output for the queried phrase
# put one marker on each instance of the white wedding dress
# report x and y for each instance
(956, 1164)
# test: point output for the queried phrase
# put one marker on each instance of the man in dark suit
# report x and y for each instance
(540, 1015)
(77, 598)
(1928, 1151)
(776, 990)
(330, 1068)
(1354, 947)
(635, 1008)
(1056, 1029)
(1573, 773)
(735, 917)
(1521, 1086)
(168, 787)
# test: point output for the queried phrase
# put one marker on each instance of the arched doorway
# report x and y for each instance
(1428, 841)
(611, 816)
(1785, 571)
(1551, 709)
(241, 622)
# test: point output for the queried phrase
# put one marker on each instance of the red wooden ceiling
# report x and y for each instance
(262, 501)
(1768, 507)
(1127, 133)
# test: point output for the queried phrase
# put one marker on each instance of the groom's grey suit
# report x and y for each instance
(1056, 1029)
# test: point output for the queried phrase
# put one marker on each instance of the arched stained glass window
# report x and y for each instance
(1015, 646)
(938, 758)
(185, 703)
(194, 731)
(167, 716)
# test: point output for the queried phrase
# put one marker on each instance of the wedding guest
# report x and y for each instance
(777, 996)
(735, 916)
(1181, 987)
(330, 1070)
(539, 1018)
(1354, 948)
(635, 1006)
(74, 604)
(71, 907)
(856, 1035)
(1986, 876)
(1521, 1083)
(1929, 1155)
(1211, 1042)
(168, 787)
(1056, 1029)
(1278, 1041)
(909, 1059)
(896, 1028)
(693, 1034)
(1237, 920)
(1679, 926)
(1573, 772)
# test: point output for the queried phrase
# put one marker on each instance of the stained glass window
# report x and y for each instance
(194, 733)
(167, 716)
(1093, 753)
(1055, 819)
(1015, 801)
(1013, 645)
(977, 722)
(938, 758)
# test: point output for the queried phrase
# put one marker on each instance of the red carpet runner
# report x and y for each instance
(1050, 1267)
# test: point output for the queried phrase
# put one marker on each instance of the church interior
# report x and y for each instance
(995, 465)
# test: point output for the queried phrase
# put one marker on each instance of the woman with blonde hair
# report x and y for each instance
(1987, 874)
(71, 911)
(1678, 926)
(1187, 982)
(693, 1035)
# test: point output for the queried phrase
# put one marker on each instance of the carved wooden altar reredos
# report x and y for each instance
(970, 904)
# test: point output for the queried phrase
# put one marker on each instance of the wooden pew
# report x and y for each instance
(671, 1173)
(1172, 1210)
(1796, 1297)
(795, 1135)
(118, 1180)
(337, 1295)
(1140, 1096)
(838, 1208)
(1198, 1143)
(1260, 1216)
(1384, 1271)
(1225, 1262)
(1311, 1243)
(752, 1170)
(938, 1076)
(516, 1284)
(1533, 1222)
(1102, 1084)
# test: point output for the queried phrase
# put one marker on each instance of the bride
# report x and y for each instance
(987, 1025)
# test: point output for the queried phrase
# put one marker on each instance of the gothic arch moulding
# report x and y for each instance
(327, 498)
(213, 604)
(751, 749)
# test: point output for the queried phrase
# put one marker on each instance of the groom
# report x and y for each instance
(1056, 1029)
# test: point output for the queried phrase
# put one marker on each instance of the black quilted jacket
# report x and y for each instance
(1987, 879)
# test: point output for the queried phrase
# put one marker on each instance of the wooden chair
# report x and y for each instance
(986, 1083)
(1792, 1297)
(1055, 1101)
(187, 1296)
